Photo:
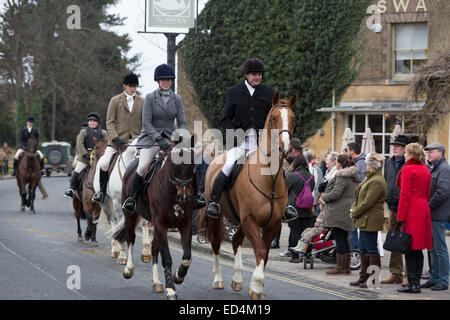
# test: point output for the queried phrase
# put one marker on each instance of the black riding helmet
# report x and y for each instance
(253, 65)
(164, 71)
(131, 80)
(94, 116)
(30, 119)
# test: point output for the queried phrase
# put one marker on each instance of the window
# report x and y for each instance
(410, 47)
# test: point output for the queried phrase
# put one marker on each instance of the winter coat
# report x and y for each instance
(158, 117)
(243, 111)
(295, 186)
(414, 182)
(440, 191)
(390, 174)
(85, 147)
(368, 209)
(338, 199)
(120, 122)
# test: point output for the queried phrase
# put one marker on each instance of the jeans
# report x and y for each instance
(439, 254)
(368, 242)
(354, 239)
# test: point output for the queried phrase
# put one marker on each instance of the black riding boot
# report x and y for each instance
(412, 274)
(290, 213)
(73, 183)
(100, 195)
(16, 163)
(41, 162)
(130, 204)
(213, 209)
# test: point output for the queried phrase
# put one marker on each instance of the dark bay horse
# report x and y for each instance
(168, 202)
(28, 174)
(82, 200)
(259, 197)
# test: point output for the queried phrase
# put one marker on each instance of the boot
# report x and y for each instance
(301, 247)
(41, 162)
(340, 268)
(348, 269)
(15, 165)
(394, 278)
(130, 204)
(99, 196)
(290, 214)
(363, 273)
(213, 209)
(374, 259)
(412, 274)
(73, 183)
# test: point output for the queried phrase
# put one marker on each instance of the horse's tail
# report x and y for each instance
(206, 229)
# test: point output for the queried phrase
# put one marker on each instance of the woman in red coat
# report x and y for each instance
(413, 211)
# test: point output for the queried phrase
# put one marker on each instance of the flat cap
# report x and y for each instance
(435, 145)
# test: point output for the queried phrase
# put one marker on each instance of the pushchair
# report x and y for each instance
(323, 247)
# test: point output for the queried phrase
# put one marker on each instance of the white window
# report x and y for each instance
(410, 47)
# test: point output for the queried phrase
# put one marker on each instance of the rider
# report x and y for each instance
(25, 133)
(161, 108)
(248, 104)
(123, 122)
(85, 144)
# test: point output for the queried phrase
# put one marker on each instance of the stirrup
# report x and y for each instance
(216, 210)
(69, 193)
(129, 205)
(98, 197)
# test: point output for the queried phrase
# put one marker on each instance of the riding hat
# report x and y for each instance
(164, 71)
(400, 140)
(30, 119)
(94, 116)
(253, 65)
(131, 80)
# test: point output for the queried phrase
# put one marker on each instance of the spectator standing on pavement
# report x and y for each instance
(440, 208)
(295, 182)
(392, 168)
(414, 213)
(368, 211)
(354, 150)
(337, 200)
(2, 161)
(8, 152)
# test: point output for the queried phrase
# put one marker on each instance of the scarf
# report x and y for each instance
(165, 95)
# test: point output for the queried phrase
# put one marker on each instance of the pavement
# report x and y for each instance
(318, 273)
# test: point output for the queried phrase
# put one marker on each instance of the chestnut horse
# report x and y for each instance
(168, 202)
(28, 174)
(261, 182)
(82, 200)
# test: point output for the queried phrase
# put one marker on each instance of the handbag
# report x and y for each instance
(397, 240)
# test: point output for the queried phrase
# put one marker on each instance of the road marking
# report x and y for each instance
(38, 268)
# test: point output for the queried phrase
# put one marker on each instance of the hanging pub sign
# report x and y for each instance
(171, 13)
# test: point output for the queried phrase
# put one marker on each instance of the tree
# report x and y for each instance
(309, 47)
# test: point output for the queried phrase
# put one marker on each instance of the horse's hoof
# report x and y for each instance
(218, 285)
(94, 243)
(173, 297)
(122, 261)
(254, 295)
(114, 254)
(146, 259)
(236, 286)
(80, 239)
(127, 274)
(177, 280)
(87, 238)
(158, 288)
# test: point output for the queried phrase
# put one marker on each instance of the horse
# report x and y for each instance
(167, 202)
(28, 174)
(111, 218)
(82, 202)
(257, 183)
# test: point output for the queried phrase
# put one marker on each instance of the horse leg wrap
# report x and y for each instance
(169, 278)
(182, 271)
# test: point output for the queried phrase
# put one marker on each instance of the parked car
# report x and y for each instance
(58, 157)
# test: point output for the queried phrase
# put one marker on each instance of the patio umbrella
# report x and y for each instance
(394, 134)
(347, 137)
(368, 143)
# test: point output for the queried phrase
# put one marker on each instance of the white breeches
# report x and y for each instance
(106, 158)
(20, 151)
(80, 166)
(146, 156)
(250, 143)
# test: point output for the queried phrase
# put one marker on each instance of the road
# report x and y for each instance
(39, 253)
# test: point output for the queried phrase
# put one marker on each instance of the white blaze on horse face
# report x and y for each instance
(285, 135)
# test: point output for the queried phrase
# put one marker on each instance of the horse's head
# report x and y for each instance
(182, 173)
(100, 147)
(32, 145)
(280, 122)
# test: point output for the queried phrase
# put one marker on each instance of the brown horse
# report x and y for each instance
(82, 200)
(261, 182)
(169, 203)
(28, 174)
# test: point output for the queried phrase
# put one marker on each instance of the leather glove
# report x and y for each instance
(118, 142)
(163, 144)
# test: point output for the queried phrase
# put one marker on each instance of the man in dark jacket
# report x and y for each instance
(247, 106)
(440, 208)
(393, 166)
(25, 133)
